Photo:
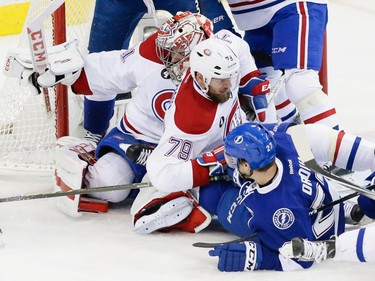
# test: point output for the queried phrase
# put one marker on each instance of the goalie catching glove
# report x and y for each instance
(65, 65)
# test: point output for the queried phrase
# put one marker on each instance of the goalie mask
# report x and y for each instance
(177, 37)
(251, 142)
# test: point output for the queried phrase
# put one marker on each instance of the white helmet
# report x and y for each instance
(177, 36)
(213, 58)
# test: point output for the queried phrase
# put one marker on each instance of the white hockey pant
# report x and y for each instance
(305, 91)
(110, 169)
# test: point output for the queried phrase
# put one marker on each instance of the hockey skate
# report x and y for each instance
(139, 153)
(305, 250)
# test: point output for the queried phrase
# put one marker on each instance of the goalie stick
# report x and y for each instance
(75, 192)
(300, 141)
(88, 190)
(38, 47)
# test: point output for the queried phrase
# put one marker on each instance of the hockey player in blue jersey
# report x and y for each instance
(274, 193)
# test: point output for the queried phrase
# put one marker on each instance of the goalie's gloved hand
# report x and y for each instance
(243, 256)
(65, 65)
(214, 160)
(257, 88)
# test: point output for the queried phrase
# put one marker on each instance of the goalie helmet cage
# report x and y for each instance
(27, 135)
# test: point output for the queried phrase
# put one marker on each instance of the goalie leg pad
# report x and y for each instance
(167, 214)
(72, 157)
(154, 210)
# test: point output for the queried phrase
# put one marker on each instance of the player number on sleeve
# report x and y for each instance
(181, 147)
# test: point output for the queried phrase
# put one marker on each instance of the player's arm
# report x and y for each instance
(172, 165)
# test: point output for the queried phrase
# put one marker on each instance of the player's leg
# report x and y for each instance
(154, 210)
(356, 245)
(298, 36)
(232, 216)
(114, 23)
(77, 167)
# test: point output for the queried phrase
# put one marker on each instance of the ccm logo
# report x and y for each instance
(7, 64)
(38, 45)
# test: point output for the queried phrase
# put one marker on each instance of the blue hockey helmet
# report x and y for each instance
(251, 142)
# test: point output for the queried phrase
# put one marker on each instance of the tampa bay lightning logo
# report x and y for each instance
(165, 74)
(283, 218)
(238, 139)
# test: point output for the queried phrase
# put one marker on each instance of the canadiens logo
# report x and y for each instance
(207, 52)
(161, 102)
(165, 74)
(283, 218)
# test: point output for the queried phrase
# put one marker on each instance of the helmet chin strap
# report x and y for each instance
(202, 91)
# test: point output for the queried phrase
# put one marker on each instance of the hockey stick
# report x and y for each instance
(213, 245)
(313, 165)
(276, 88)
(75, 192)
(89, 190)
(300, 142)
(38, 47)
(338, 201)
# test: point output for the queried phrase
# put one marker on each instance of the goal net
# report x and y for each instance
(27, 135)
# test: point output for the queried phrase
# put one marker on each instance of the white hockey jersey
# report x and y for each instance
(195, 124)
(254, 14)
(110, 73)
